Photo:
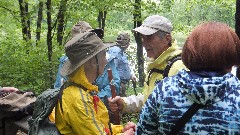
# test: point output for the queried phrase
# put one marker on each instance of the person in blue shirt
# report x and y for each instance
(59, 78)
(118, 54)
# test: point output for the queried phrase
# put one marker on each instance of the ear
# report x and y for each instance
(168, 39)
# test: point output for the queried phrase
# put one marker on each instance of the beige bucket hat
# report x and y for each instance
(83, 26)
(80, 27)
(80, 49)
(154, 23)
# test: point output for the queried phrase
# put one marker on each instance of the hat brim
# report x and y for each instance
(145, 30)
(68, 68)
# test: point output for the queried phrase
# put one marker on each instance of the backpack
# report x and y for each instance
(39, 123)
(15, 108)
(165, 71)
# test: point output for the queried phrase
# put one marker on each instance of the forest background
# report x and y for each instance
(33, 32)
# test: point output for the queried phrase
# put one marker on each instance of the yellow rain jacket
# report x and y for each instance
(83, 112)
(134, 103)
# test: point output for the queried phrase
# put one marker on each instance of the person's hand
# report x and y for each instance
(115, 104)
(130, 125)
(129, 132)
(133, 78)
(129, 128)
(9, 89)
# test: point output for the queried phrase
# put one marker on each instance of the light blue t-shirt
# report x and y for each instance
(121, 61)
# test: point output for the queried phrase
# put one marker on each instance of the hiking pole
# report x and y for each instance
(116, 119)
(134, 86)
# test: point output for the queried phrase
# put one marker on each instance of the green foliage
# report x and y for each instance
(25, 69)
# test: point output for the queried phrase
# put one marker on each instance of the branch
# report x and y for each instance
(12, 12)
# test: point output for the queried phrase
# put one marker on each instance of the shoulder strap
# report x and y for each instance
(151, 71)
(170, 63)
(166, 69)
(185, 118)
(64, 86)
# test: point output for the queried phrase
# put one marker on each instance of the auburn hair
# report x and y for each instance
(211, 46)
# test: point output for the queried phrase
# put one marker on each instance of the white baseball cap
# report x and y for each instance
(154, 23)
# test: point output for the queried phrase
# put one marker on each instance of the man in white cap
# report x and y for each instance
(164, 56)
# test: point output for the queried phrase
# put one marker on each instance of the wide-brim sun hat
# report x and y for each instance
(154, 23)
(80, 49)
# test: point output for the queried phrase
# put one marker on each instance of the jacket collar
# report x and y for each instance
(79, 77)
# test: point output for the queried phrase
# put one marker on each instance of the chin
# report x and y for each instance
(150, 59)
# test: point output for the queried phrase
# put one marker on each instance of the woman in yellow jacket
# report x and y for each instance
(79, 110)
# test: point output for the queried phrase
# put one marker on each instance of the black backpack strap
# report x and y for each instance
(166, 69)
(151, 71)
(185, 118)
(64, 86)
(170, 63)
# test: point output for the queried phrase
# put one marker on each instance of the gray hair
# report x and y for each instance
(162, 34)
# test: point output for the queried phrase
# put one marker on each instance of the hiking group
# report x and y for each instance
(186, 91)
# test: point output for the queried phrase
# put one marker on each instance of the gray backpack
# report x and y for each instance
(39, 123)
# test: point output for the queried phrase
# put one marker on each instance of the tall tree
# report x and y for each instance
(60, 19)
(102, 14)
(138, 22)
(49, 38)
(237, 27)
(25, 19)
(39, 21)
(237, 18)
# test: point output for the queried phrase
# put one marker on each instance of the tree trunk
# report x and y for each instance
(140, 59)
(101, 19)
(25, 19)
(237, 18)
(237, 28)
(61, 24)
(49, 40)
(39, 22)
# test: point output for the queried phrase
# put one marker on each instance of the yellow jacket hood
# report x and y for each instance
(83, 112)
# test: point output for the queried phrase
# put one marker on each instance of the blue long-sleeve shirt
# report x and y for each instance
(59, 77)
(103, 86)
(121, 61)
